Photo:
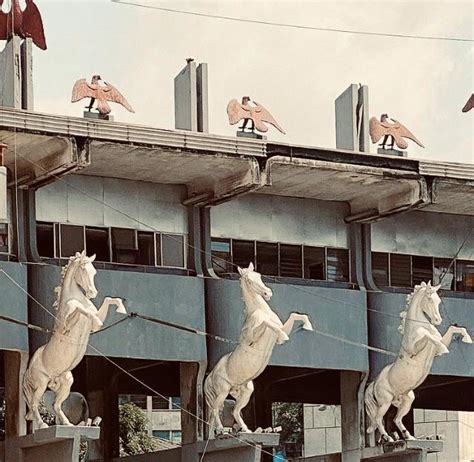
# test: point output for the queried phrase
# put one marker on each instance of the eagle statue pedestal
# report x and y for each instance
(392, 152)
(252, 135)
(98, 116)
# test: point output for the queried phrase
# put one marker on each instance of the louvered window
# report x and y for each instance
(400, 270)
(422, 269)
(380, 272)
(291, 263)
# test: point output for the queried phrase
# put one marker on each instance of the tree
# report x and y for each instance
(133, 431)
(290, 417)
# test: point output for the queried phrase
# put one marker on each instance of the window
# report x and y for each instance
(400, 270)
(267, 258)
(97, 242)
(160, 403)
(338, 265)
(176, 436)
(72, 240)
(4, 237)
(146, 248)
(422, 269)
(172, 247)
(124, 246)
(175, 402)
(380, 269)
(443, 273)
(465, 276)
(314, 263)
(45, 239)
(163, 434)
(243, 253)
(221, 257)
(291, 261)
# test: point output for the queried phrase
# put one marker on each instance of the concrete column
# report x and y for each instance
(192, 399)
(10, 75)
(202, 98)
(352, 416)
(3, 195)
(27, 74)
(15, 363)
(352, 119)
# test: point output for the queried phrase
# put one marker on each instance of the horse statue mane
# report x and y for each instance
(428, 290)
(64, 270)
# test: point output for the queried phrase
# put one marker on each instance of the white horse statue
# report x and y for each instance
(51, 365)
(421, 343)
(234, 372)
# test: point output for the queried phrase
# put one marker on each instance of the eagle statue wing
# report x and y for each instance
(402, 131)
(376, 130)
(82, 89)
(469, 105)
(33, 25)
(261, 114)
(113, 95)
(237, 112)
(3, 24)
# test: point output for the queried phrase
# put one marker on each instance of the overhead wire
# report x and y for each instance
(291, 26)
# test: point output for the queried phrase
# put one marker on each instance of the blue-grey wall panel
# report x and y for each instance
(383, 332)
(177, 299)
(14, 304)
(339, 312)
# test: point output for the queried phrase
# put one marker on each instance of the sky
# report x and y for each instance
(296, 74)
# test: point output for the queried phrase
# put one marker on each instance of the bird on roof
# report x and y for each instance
(255, 113)
(24, 24)
(394, 130)
(100, 93)
(469, 105)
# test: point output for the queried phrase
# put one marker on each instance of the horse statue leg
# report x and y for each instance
(35, 383)
(62, 387)
(403, 409)
(294, 317)
(242, 396)
(377, 406)
(452, 330)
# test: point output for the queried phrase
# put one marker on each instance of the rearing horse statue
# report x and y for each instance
(77, 317)
(421, 343)
(234, 372)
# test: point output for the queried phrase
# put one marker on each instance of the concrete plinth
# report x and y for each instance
(392, 152)
(58, 443)
(98, 116)
(406, 451)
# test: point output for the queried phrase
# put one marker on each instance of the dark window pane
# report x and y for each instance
(72, 240)
(242, 254)
(267, 258)
(400, 270)
(97, 242)
(124, 246)
(160, 403)
(380, 268)
(338, 265)
(172, 246)
(314, 263)
(221, 258)
(465, 276)
(422, 269)
(45, 239)
(4, 237)
(291, 263)
(176, 436)
(138, 400)
(176, 402)
(443, 273)
(163, 434)
(158, 249)
(146, 248)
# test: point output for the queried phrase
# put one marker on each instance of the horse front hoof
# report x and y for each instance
(308, 326)
(466, 339)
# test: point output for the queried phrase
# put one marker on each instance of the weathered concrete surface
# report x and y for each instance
(185, 98)
(10, 75)
(3, 195)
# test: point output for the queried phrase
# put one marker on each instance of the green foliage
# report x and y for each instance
(290, 417)
(133, 431)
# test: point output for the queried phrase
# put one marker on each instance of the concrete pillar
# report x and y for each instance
(352, 119)
(192, 399)
(3, 195)
(191, 98)
(352, 416)
(15, 363)
(26, 51)
(10, 76)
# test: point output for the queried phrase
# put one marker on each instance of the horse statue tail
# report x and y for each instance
(370, 406)
(210, 390)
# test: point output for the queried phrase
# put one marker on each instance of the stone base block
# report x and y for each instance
(392, 152)
(406, 451)
(98, 116)
(252, 135)
(57, 443)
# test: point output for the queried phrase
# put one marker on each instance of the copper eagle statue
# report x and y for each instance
(24, 24)
(394, 130)
(100, 93)
(255, 113)
(469, 104)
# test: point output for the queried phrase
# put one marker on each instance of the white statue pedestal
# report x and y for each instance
(406, 451)
(57, 443)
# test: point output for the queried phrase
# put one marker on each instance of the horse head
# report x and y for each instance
(253, 281)
(430, 302)
(85, 274)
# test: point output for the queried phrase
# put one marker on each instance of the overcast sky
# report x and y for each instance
(296, 74)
